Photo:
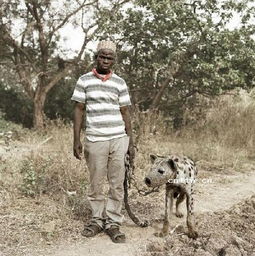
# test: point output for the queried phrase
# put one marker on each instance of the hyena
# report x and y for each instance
(178, 173)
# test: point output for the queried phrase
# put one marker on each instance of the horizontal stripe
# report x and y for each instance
(108, 83)
(125, 103)
(79, 87)
(111, 118)
(117, 80)
(100, 112)
(101, 88)
(124, 98)
(87, 77)
(106, 124)
(100, 100)
(101, 106)
(123, 93)
(79, 94)
(102, 94)
(79, 99)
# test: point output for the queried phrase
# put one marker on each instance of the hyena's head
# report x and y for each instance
(162, 170)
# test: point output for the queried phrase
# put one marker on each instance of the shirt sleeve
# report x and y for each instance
(79, 92)
(124, 98)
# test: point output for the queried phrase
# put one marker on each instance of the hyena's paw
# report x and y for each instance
(179, 214)
(160, 234)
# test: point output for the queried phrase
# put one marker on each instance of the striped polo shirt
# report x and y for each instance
(103, 100)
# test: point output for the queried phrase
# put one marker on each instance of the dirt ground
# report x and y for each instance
(225, 222)
(224, 209)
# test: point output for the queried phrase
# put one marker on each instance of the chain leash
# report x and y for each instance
(129, 180)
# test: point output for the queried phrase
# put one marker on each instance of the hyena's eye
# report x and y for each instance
(161, 171)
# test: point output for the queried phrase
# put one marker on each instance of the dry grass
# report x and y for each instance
(42, 175)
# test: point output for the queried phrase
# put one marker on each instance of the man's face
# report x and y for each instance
(105, 60)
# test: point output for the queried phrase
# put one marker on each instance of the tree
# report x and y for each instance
(30, 36)
(173, 50)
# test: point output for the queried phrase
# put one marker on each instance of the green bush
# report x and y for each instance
(58, 103)
(34, 176)
(16, 106)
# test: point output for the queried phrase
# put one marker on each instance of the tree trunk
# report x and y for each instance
(173, 69)
(39, 116)
(158, 96)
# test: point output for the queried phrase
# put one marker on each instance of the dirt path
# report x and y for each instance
(223, 192)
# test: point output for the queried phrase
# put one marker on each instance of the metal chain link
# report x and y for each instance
(131, 180)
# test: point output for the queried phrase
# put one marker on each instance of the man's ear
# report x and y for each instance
(153, 158)
(172, 164)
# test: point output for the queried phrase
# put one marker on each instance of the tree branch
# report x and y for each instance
(159, 94)
(11, 42)
(56, 79)
(23, 74)
(66, 19)
(42, 40)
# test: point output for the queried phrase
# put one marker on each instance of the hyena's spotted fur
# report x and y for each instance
(178, 173)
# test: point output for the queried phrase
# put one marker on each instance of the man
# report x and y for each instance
(105, 98)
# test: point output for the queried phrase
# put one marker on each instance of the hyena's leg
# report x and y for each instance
(179, 200)
(190, 213)
(168, 209)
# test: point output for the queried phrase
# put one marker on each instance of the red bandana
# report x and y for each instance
(103, 78)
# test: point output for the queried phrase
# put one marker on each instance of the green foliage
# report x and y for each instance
(29, 186)
(7, 126)
(191, 38)
(53, 172)
(35, 46)
(16, 106)
(58, 103)
(34, 178)
(187, 41)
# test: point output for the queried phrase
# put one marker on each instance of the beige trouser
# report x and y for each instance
(106, 159)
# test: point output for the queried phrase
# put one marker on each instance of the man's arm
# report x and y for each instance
(78, 120)
(127, 120)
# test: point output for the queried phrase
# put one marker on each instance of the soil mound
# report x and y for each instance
(224, 233)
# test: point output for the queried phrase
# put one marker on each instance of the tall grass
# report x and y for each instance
(220, 135)
(229, 124)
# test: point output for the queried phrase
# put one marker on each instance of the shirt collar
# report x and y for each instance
(103, 78)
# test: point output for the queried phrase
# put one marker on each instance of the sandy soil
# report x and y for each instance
(216, 202)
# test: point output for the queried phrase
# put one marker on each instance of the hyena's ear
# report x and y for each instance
(172, 164)
(153, 158)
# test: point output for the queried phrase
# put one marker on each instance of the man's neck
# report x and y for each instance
(103, 72)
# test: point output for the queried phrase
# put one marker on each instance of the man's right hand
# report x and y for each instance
(77, 150)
